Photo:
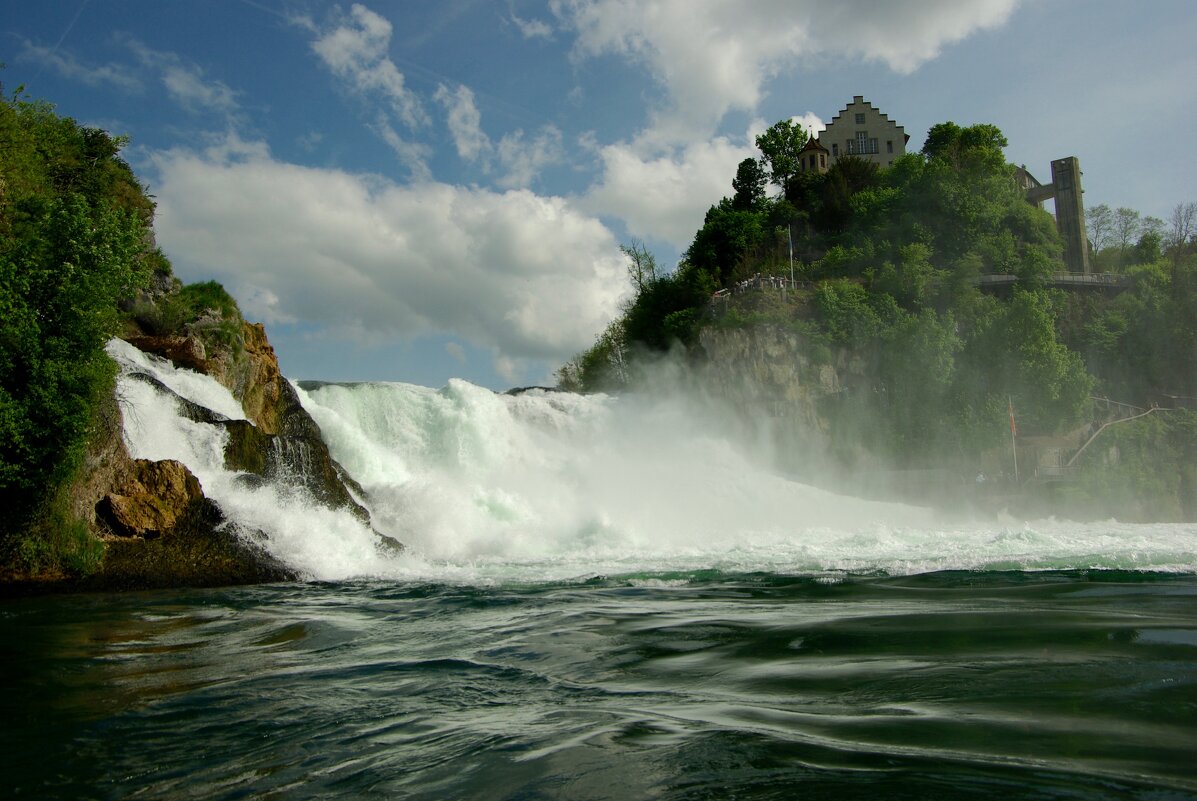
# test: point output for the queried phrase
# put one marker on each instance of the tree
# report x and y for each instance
(975, 146)
(642, 265)
(780, 145)
(727, 238)
(749, 184)
(1182, 224)
(1125, 228)
(1099, 221)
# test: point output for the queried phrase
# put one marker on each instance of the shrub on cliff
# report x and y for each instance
(73, 234)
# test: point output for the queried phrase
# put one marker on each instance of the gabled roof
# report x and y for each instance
(859, 100)
(813, 144)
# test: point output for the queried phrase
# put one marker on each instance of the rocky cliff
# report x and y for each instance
(795, 388)
(157, 527)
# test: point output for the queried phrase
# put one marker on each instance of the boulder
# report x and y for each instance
(184, 351)
(202, 549)
(151, 500)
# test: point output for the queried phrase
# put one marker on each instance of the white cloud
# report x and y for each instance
(66, 65)
(186, 83)
(188, 86)
(665, 197)
(528, 277)
(520, 159)
(713, 56)
(533, 28)
(811, 122)
(523, 159)
(413, 155)
(356, 51)
(465, 122)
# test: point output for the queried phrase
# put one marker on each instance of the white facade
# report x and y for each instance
(863, 131)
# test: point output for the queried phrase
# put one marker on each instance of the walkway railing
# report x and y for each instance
(1096, 280)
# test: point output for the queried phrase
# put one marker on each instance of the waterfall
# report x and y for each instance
(546, 485)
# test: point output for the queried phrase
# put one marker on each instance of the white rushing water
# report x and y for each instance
(550, 486)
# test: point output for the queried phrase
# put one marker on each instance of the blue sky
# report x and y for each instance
(416, 191)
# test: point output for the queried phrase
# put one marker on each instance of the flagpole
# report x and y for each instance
(1013, 433)
(790, 237)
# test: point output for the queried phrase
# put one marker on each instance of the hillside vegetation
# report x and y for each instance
(887, 264)
(77, 267)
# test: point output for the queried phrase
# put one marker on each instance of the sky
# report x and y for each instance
(410, 191)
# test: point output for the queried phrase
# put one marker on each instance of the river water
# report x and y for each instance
(605, 599)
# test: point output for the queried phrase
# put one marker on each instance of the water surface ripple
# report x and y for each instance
(1075, 684)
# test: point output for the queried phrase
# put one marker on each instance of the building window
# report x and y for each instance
(822, 160)
(835, 149)
(862, 141)
(889, 146)
(860, 119)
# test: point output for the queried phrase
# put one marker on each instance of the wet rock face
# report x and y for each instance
(252, 374)
(165, 533)
(151, 500)
(300, 456)
(202, 550)
(184, 351)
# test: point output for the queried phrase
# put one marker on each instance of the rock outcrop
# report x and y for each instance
(798, 389)
(183, 351)
(157, 526)
(151, 500)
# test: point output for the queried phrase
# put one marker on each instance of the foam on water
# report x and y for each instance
(551, 486)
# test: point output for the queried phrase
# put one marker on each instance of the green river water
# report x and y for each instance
(677, 685)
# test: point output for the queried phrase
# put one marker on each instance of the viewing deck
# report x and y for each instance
(1101, 282)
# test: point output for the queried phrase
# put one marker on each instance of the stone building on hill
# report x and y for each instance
(859, 130)
(865, 132)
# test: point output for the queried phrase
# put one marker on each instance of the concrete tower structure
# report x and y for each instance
(1070, 208)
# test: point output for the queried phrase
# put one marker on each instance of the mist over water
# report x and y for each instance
(546, 486)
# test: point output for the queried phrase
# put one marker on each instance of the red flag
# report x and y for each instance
(1013, 426)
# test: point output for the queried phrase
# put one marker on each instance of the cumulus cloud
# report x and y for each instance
(713, 56)
(811, 122)
(518, 157)
(523, 158)
(356, 48)
(665, 197)
(531, 278)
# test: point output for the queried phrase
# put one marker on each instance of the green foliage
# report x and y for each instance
(666, 310)
(851, 314)
(727, 241)
(602, 367)
(749, 185)
(975, 147)
(894, 258)
(55, 543)
(72, 235)
(204, 309)
(780, 146)
(1145, 469)
(642, 265)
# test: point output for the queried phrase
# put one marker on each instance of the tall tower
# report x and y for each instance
(1070, 213)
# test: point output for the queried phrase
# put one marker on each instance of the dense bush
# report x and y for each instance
(73, 233)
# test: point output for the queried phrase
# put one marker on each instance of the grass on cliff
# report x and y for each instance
(205, 309)
(56, 544)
